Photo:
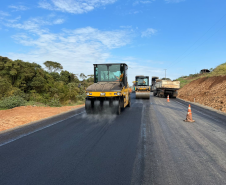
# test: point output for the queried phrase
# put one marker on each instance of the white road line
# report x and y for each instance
(203, 113)
(24, 135)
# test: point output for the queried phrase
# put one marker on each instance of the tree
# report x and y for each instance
(82, 76)
(53, 66)
(65, 76)
(56, 76)
(5, 86)
(91, 78)
(38, 83)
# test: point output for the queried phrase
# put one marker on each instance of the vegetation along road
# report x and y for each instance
(147, 144)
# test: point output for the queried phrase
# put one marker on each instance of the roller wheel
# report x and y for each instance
(129, 104)
(106, 106)
(116, 107)
(88, 106)
(119, 109)
(97, 107)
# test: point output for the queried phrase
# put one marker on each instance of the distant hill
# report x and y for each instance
(218, 71)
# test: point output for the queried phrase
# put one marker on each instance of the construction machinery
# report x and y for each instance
(163, 88)
(110, 91)
(142, 88)
(153, 81)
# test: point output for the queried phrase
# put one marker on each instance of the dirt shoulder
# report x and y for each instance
(208, 91)
(22, 115)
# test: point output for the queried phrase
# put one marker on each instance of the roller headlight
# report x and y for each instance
(102, 94)
(118, 93)
(87, 93)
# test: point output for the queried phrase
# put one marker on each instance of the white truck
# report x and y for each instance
(163, 88)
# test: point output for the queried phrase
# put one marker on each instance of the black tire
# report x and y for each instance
(106, 107)
(116, 108)
(119, 109)
(97, 107)
(88, 106)
(129, 104)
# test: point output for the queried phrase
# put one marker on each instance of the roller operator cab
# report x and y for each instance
(110, 91)
(142, 88)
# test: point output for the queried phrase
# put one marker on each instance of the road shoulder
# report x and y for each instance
(15, 133)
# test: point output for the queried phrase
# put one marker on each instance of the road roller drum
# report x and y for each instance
(143, 95)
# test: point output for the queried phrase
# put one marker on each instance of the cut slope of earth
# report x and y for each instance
(22, 115)
(209, 91)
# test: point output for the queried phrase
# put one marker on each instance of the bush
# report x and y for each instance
(54, 102)
(81, 97)
(220, 70)
(11, 102)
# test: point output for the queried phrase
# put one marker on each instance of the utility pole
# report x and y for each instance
(165, 74)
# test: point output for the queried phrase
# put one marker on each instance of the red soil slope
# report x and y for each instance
(209, 91)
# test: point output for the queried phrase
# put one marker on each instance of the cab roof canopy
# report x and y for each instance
(112, 64)
(142, 76)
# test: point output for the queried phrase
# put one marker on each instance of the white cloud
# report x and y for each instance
(19, 7)
(74, 6)
(4, 14)
(142, 2)
(34, 24)
(126, 27)
(75, 49)
(173, 1)
(58, 21)
(149, 32)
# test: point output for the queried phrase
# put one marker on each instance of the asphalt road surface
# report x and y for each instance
(147, 144)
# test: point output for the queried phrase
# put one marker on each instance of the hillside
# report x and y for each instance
(218, 71)
(24, 83)
(207, 89)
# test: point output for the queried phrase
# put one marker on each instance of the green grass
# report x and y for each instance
(219, 70)
(3, 108)
(38, 104)
(185, 81)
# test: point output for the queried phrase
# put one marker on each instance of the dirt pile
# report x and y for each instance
(21, 115)
(209, 91)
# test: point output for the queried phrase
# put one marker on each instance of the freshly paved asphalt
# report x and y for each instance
(147, 144)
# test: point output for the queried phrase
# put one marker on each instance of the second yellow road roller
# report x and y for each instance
(110, 91)
(142, 88)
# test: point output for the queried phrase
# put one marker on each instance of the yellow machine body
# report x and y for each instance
(123, 95)
(142, 88)
(110, 91)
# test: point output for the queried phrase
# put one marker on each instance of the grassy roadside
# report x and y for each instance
(218, 71)
(3, 109)
(38, 104)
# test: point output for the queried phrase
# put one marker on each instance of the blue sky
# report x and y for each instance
(182, 36)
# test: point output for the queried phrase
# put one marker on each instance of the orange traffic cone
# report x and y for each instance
(168, 98)
(189, 115)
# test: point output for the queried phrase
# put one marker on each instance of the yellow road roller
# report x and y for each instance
(110, 91)
(142, 88)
